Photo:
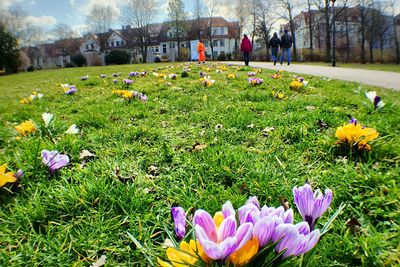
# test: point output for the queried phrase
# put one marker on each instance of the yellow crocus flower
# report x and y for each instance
(244, 255)
(187, 254)
(6, 177)
(25, 128)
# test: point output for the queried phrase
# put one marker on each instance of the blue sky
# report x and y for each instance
(47, 13)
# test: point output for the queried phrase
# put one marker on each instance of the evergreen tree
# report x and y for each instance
(9, 53)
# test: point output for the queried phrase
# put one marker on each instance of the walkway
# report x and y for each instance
(377, 78)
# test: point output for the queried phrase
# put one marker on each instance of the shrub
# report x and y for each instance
(30, 68)
(221, 57)
(157, 60)
(69, 65)
(184, 74)
(229, 56)
(79, 60)
(118, 56)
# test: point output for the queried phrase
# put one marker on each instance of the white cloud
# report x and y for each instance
(84, 8)
(81, 29)
(32, 2)
(41, 21)
(5, 4)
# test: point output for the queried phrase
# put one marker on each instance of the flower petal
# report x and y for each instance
(203, 219)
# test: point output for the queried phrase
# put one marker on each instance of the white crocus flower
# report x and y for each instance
(47, 118)
(72, 129)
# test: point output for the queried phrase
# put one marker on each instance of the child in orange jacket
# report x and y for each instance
(201, 51)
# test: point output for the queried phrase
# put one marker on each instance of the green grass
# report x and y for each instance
(75, 216)
(368, 66)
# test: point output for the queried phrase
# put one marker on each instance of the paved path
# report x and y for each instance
(383, 79)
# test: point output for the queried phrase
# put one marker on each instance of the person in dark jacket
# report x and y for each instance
(246, 48)
(274, 44)
(286, 44)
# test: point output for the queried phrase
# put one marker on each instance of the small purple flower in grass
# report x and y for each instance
(202, 74)
(311, 205)
(143, 97)
(295, 239)
(133, 74)
(353, 121)
(179, 217)
(19, 174)
(127, 82)
(72, 90)
(375, 99)
(54, 160)
(219, 243)
(251, 74)
(143, 73)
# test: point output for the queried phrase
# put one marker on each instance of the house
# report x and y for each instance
(379, 32)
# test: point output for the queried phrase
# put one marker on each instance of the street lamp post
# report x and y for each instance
(333, 34)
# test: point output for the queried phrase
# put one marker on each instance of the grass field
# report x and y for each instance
(192, 146)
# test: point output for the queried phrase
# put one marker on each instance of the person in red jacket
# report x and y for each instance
(246, 48)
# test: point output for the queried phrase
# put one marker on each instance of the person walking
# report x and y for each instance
(201, 51)
(246, 48)
(274, 44)
(286, 44)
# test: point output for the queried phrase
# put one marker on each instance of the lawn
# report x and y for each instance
(196, 147)
(375, 66)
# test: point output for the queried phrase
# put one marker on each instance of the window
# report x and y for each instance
(92, 46)
(182, 45)
(122, 43)
(222, 43)
(86, 46)
(112, 43)
(222, 30)
(215, 31)
(215, 43)
(215, 54)
(117, 43)
(164, 48)
(206, 44)
(171, 45)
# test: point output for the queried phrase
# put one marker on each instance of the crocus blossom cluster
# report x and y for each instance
(296, 85)
(231, 76)
(172, 76)
(69, 89)
(207, 81)
(302, 80)
(130, 95)
(235, 237)
(280, 95)
(133, 74)
(251, 73)
(54, 160)
(26, 128)
(375, 99)
(355, 136)
(32, 97)
(127, 82)
(255, 81)
(276, 75)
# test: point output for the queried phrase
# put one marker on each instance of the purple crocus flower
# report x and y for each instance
(251, 74)
(143, 73)
(353, 121)
(54, 160)
(253, 200)
(179, 217)
(133, 74)
(228, 210)
(295, 239)
(19, 174)
(143, 97)
(127, 81)
(219, 243)
(202, 74)
(311, 205)
(72, 90)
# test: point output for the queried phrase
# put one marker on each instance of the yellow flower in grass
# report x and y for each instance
(26, 128)
(6, 177)
(243, 256)
(231, 76)
(188, 254)
(296, 85)
(355, 135)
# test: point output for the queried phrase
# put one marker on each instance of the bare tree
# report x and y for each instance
(199, 11)
(392, 4)
(287, 7)
(265, 21)
(140, 14)
(100, 19)
(177, 14)
(252, 8)
(242, 18)
(209, 27)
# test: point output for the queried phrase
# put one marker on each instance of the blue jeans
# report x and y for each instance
(274, 53)
(287, 50)
(246, 57)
